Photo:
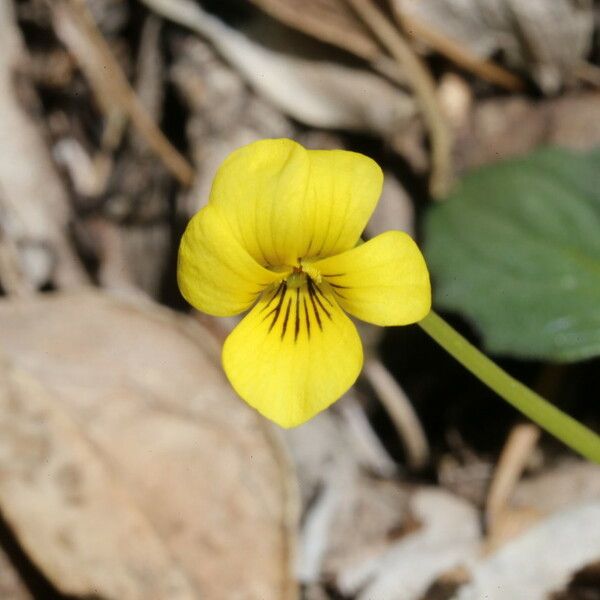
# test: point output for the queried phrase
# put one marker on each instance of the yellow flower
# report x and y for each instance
(279, 236)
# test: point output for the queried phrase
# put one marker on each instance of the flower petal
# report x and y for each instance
(383, 281)
(284, 202)
(293, 355)
(344, 188)
(215, 273)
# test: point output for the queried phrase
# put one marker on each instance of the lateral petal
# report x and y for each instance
(215, 273)
(284, 202)
(293, 355)
(384, 281)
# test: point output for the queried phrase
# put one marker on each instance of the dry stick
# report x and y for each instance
(485, 69)
(518, 448)
(79, 33)
(371, 451)
(424, 88)
(521, 442)
(401, 413)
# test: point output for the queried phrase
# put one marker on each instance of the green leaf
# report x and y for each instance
(516, 249)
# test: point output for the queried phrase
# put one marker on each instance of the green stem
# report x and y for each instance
(540, 411)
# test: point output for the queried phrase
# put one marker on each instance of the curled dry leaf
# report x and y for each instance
(348, 517)
(569, 540)
(319, 93)
(547, 37)
(129, 469)
(368, 521)
(445, 535)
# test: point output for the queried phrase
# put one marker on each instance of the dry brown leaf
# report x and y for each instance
(70, 517)
(131, 393)
(331, 21)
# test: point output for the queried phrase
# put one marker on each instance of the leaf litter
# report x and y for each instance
(128, 469)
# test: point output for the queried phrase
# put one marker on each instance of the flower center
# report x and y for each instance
(296, 279)
(298, 299)
(301, 273)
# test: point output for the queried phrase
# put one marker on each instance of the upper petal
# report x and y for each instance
(215, 272)
(293, 354)
(384, 281)
(285, 202)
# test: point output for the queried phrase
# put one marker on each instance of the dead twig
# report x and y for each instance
(368, 446)
(423, 86)
(517, 450)
(401, 412)
(77, 30)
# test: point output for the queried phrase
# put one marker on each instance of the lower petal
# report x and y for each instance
(293, 355)
(384, 281)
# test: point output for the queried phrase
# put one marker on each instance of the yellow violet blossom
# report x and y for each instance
(279, 236)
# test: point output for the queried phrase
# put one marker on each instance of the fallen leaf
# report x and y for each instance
(320, 93)
(55, 492)
(539, 561)
(134, 407)
(347, 516)
(547, 37)
(565, 484)
(448, 536)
